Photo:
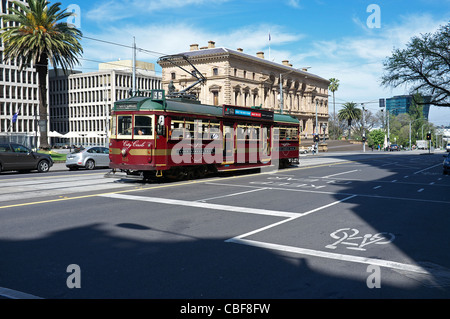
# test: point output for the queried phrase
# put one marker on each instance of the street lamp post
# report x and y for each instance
(317, 131)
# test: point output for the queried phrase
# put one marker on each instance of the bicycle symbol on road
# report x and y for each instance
(350, 238)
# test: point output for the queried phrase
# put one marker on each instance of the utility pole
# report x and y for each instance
(133, 90)
(364, 129)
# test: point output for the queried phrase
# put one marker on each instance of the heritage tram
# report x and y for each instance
(155, 137)
(178, 137)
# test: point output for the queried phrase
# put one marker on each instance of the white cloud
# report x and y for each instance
(176, 38)
(358, 61)
(114, 10)
(294, 4)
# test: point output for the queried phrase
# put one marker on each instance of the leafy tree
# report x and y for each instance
(349, 112)
(333, 87)
(424, 65)
(37, 36)
(375, 138)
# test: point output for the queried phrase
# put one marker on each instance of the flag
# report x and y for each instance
(269, 36)
(14, 118)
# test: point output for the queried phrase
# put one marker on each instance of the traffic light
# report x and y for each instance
(429, 136)
(316, 138)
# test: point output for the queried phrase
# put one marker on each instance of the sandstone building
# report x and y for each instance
(237, 78)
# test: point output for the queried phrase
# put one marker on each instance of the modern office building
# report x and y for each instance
(400, 104)
(80, 103)
(237, 78)
(19, 95)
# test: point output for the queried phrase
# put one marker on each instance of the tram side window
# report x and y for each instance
(113, 126)
(124, 124)
(288, 133)
(177, 129)
(143, 125)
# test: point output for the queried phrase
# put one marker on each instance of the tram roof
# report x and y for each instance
(142, 103)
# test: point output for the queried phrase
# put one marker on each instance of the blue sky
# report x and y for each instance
(335, 38)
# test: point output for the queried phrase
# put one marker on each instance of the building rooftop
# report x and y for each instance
(213, 51)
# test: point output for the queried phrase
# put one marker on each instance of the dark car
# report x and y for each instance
(16, 157)
(393, 147)
(446, 164)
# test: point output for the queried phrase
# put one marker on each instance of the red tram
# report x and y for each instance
(181, 138)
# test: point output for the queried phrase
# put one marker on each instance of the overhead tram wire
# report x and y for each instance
(150, 52)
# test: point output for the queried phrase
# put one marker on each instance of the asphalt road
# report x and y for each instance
(371, 225)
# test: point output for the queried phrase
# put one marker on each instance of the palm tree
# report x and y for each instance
(333, 87)
(37, 36)
(349, 112)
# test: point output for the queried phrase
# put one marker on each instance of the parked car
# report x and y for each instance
(446, 164)
(17, 157)
(89, 158)
(393, 147)
(448, 147)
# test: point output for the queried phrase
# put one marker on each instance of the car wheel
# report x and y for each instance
(90, 164)
(43, 166)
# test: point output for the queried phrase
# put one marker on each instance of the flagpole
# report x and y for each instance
(14, 119)
(269, 45)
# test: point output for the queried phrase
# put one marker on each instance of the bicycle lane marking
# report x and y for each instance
(318, 253)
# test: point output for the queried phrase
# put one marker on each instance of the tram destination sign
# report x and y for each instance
(236, 111)
(126, 106)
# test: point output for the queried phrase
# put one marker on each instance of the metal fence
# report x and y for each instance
(19, 138)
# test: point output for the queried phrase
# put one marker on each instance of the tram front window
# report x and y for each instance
(143, 125)
(124, 125)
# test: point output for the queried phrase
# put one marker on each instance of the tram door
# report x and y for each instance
(228, 143)
(265, 151)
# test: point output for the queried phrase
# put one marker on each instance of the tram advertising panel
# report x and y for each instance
(244, 112)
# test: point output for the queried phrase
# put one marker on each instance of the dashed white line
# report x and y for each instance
(376, 187)
(421, 190)
(328, 176)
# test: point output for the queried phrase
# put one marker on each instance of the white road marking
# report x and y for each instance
(14, 294)
(376, 187)
(328, 176)
(421, 190)
(247, 210)
(292, 218)
(229, 195)
(334, 256)
(339, 193)
(425, 169)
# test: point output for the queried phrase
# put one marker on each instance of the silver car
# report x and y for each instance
(89, 158)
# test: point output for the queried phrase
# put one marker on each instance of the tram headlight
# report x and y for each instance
(123, 152)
